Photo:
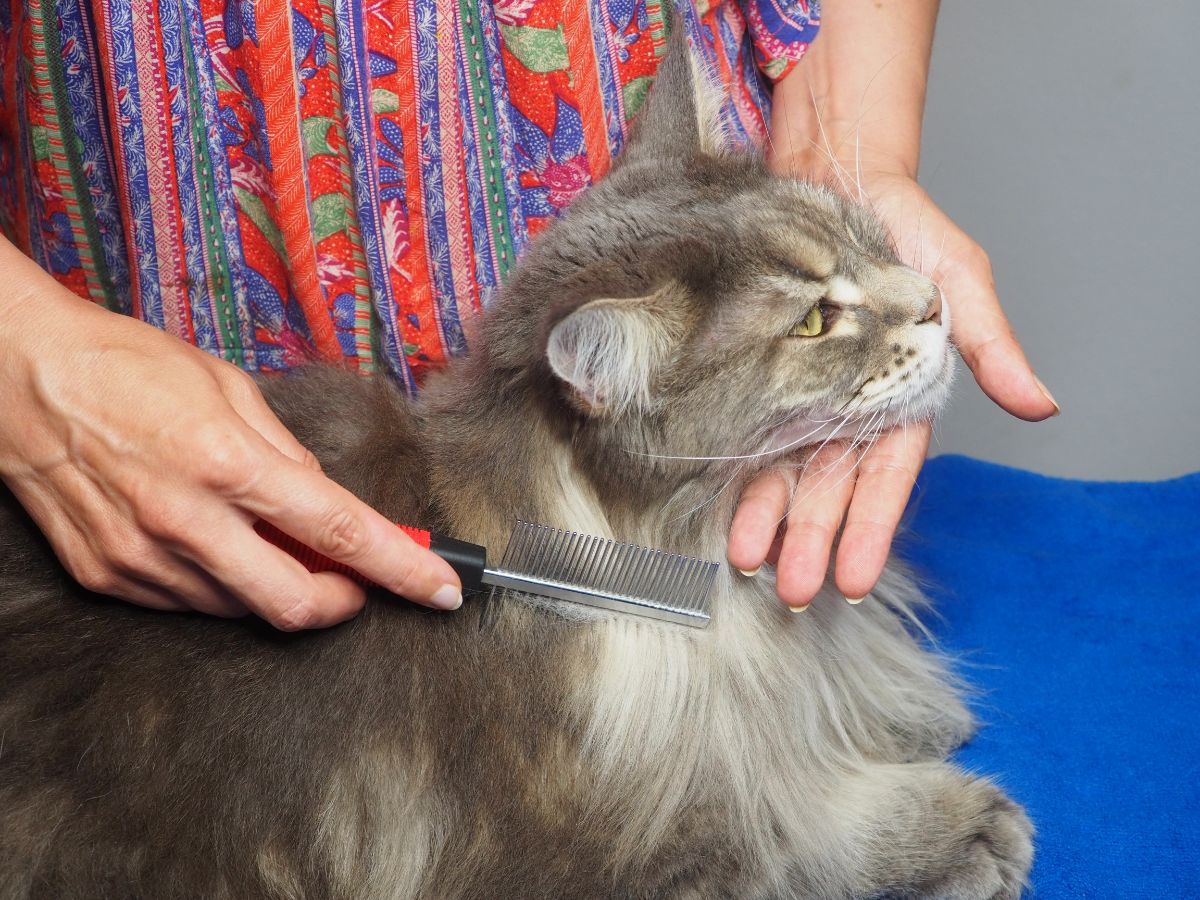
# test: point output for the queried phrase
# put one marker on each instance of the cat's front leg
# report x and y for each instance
(929, 831)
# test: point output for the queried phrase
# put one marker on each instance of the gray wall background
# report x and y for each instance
(1065, 138)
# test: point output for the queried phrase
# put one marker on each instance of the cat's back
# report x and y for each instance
(365, 433)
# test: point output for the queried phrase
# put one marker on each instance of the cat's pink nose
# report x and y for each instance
(934, 312)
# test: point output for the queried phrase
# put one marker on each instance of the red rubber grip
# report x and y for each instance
(318, 562)
(420, 535)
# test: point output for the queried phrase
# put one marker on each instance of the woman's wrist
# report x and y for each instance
(35, 308)
(27, 294)
(855, 103)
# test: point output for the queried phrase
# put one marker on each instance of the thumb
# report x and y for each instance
(986, 342)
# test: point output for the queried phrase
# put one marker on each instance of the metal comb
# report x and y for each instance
(595, 571)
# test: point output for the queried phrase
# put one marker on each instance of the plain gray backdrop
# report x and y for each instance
(1064, 138)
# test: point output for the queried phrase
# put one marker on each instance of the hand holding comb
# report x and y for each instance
(560, 564)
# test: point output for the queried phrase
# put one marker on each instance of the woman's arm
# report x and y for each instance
(147, 462)
(850, 114)
(860, 90)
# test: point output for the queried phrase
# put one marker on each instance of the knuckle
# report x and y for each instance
(299, 616)
(163, 519)
(224, 456)
(971, 261)
(818, 532)
(341, 534)
(890, 466)
(137, 558)
(96, 577)
(874, 527)
(309, 460)
(239, 384)
(405, 578)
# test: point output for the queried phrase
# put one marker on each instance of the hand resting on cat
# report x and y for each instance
(146, 463)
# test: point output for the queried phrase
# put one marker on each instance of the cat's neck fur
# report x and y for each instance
(505, 444)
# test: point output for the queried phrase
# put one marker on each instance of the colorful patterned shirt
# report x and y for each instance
(273, 180)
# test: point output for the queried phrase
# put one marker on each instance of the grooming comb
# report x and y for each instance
(560, 564)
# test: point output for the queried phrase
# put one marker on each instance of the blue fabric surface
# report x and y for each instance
(1077, 606)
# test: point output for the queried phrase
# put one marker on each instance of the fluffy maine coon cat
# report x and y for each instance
(691, 305)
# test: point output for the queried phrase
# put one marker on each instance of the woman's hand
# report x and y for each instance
(147, 463)
(792, 520)
(850, 115)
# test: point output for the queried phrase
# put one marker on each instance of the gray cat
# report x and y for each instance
(690, 320)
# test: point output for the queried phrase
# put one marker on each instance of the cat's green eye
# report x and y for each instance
(811, 326)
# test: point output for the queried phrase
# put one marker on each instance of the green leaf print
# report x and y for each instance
(316, 136)
(538, 49)
(39, 137)
(384, 101)
(253, 207)
(634, 94)
(330, 215)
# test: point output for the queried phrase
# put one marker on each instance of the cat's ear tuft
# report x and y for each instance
(608, 352)
(682, 115)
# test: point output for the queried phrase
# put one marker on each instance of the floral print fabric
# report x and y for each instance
(344, 179)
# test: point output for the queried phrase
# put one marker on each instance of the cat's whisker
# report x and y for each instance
(828, 467)
(837, 167)
(863, 110)
(904, 423)
(742, 461)
(739, 456)
(862, 438)
(834, 165)
(940, 256)
(695, 509)
(858, 162)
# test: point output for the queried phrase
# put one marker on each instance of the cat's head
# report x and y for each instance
(693, 303)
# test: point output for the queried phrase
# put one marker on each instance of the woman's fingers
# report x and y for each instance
(886, 475)
(868, 502)
(824, 490)
(270, 583)
(328, 518)
(762, 508)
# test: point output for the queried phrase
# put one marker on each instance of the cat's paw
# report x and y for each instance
(995, 847)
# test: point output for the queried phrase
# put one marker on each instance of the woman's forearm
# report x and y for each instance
(858, 96)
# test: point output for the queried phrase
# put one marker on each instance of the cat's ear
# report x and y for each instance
(682, 115)
(608, 352)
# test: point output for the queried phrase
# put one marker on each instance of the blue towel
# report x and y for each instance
(1077, 607)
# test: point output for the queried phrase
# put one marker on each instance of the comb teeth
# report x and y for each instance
(607, 574)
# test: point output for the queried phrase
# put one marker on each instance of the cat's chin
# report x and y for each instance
(910, 403)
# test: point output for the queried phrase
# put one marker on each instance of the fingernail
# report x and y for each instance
(1049, 396)
(749, 573)
(446, 597)
(854, 601)
(799, 609)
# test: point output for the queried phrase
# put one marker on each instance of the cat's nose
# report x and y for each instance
(933, 312)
